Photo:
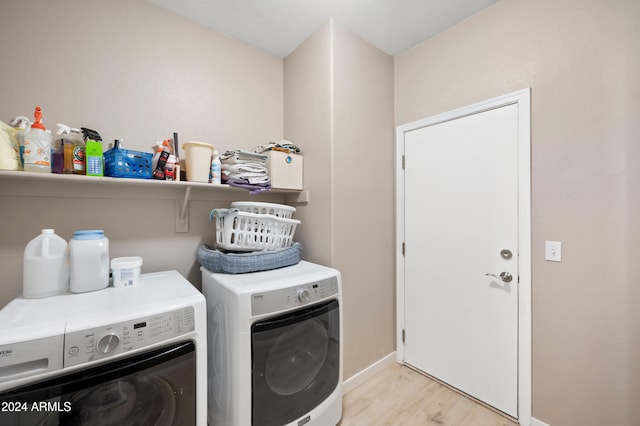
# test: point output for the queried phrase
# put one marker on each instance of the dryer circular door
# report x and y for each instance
(296, 363)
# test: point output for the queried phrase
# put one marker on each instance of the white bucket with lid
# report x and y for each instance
(126, 270)
(46, 266)
(198, 161)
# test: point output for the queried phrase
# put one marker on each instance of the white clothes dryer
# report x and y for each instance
(275, 346)
(128, 355)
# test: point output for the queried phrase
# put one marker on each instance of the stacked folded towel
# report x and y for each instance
(246, 170)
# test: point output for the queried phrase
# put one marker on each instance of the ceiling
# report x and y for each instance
(279, 26)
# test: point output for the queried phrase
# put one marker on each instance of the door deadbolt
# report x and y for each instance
(506, 254)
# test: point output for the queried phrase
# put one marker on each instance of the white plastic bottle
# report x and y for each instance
(170, 168)
(37, 146)
(216, 168)
(89, 257)
(46, 266)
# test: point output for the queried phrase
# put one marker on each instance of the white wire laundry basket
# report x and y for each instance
(279, 210)
(245, 231)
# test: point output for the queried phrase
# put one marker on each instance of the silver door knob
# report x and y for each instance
(504, 276)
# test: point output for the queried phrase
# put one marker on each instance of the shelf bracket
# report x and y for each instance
(182, 211)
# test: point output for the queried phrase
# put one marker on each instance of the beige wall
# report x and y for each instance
(132, 70)
(582, 61)
(307, 118)
(135, 71)
(363, 214)
(339, 105)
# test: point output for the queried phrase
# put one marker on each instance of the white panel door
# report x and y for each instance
(461, 223)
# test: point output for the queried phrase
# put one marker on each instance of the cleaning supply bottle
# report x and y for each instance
(58, 148)
(37, 146)
(94, 164)
(160, 159)
(21, 124)
(170, 165)
(74, 153)
(45, 266)
(216, 168)
(170, 168)
(156, 156)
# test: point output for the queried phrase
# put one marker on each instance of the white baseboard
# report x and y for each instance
(536, 422)
(362, 376)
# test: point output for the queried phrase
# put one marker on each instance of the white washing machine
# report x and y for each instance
(131, 355)
(275, 346)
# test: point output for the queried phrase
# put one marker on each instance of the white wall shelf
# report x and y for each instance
(18, 183)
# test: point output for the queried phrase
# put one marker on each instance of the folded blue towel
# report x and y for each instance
(241, 263)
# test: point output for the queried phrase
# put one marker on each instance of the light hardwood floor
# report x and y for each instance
(399, 396)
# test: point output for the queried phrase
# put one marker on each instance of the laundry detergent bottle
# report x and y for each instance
(46, 266)
(74, 153)
(89, 257)
(37, 146)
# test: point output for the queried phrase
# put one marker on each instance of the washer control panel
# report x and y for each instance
(292, 297)
(109, 340)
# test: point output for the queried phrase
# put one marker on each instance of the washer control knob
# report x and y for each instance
(303, 295)
(108, 343)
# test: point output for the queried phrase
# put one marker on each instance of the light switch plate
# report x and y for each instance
(553, 251)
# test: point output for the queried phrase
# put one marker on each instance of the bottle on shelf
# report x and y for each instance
(21, 124)
(37, 146)
(58, 148)
(94, 161)
(216, 168)
(74, 153)
(67, 151)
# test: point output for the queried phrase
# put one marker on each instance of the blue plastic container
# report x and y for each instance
(125, 163)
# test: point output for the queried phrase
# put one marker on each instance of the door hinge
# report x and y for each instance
(403, 249)
(403, 335)
(403, 162)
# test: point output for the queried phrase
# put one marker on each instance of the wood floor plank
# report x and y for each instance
(401, 396)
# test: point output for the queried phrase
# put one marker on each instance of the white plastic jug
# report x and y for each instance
(89, 256)
(46, 266)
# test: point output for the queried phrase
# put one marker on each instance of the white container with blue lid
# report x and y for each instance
(89, 261)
